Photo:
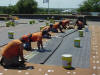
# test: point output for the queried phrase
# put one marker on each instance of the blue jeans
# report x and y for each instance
(27, 46)
(54, 30)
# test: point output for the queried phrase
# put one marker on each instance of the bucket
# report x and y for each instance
(77, 42)
(81, 33)
(86, 29)
(11, 35)
(42, 27)
(47, 24)
(67, 60)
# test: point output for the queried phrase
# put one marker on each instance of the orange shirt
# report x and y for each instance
(56, 25)
(36, 36)
(25, 37)
(12, 49)
(45, 28)
(67, 21)
(64, 22)
(80, 23)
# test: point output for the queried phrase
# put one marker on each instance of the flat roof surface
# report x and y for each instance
(93, 69)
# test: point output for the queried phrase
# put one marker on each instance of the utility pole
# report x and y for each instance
(48, 6)
(9, 2)
(47, 1)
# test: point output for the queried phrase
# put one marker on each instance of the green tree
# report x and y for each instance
(90, 6)
(10, 10)
(7, 9)
(26, 7)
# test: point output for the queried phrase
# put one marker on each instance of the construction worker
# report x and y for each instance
(79, 24)
(57, 26)
(46, 30)
(65, 23)
(36, 37)
(82, 19)
(27, 45)
(12, 52)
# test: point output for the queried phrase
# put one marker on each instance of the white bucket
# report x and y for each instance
(86, 29)
(11, 34)
(81, 33)
(77, 42)
(67, 60)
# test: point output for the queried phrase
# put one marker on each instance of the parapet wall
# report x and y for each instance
(56, 16)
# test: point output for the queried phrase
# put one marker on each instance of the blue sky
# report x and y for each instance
(53, 3)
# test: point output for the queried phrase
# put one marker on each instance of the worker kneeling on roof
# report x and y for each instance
(79, 25)
(46, 31)
(36, 37)
(65, 23)
(12, 52)
(55, 27)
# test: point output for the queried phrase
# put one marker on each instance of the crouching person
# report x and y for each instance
(27, 45)
(46, 31)
(37, 37)
(12, 52)
(79, 25)
(65, 23)
(57, 26)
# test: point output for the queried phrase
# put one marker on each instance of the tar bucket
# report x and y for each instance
(67, 61)
(41, 27)
(47, 24)
(86, 29)
(77, 42)
(81, 33)
(11, 35)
